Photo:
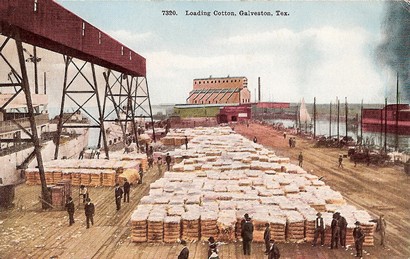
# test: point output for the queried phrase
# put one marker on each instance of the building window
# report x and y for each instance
(130, 56)
(219, 81)
(195, 101)
(99, 37)
(199, 82)
(122, 50)
(207, 82)
(212, 82)
(83, 30)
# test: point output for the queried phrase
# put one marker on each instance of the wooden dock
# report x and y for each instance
(26, 231)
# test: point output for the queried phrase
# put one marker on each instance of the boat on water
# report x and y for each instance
(16, 147)
(304, 119)
(379, 120)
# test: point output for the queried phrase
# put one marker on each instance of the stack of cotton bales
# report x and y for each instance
(223, 176)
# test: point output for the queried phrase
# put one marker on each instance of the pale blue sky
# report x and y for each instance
(322, 49)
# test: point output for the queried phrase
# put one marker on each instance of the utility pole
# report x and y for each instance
(314, 118)
(330, 121)
(346, 113)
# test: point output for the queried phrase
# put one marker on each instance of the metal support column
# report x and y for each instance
(34, 135)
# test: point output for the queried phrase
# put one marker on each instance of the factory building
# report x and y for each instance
(220, 90)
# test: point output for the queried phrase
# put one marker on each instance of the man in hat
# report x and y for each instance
(335, 231)
(266, 238)
(342, 229)
(212, 248)
(380, 227)
(89, 210)
(319, 229)
(247, 235)
(118, 195)
(127, 188)
(358, 236)
(70, 209)
(184, 254)
(273, 251)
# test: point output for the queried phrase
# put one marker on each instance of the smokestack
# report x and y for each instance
(394, 51)
(259, 89)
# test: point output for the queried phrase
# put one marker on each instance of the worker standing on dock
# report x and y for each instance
(300, 158)
(186, 142)
(159, 164)
(380, 227)
(273, 251)
(89, 210)
(343, 230)
(358, 236)
(70, 209)
(335, 231)
(247, 235)
(168, 161)
(319, 229)
(255, 140)
(126, 186)
(184, 254)
(118, 195)
(340, 161)
(83, 192)
(266, 238)
(140, 173)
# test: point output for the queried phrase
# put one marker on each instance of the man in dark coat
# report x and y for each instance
(89, 210)
(358, 236)
(300, 159)
(184, 254)
(340, 161)
(247, 235)
(212, 247)
(319, 230)
(186, 142)
(118, 195)
(343, 230)
(266, 238)
(140, 173)
(127, 188)
(70, 209)
(168, 161)
(255, 140)
(380, 227)
(335, 231)
(273, 251)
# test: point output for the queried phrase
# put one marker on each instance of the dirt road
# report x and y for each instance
(379, 190)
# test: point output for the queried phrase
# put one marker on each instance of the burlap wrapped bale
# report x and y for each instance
(139, 224)
(209, 225)
(190, 226)
(226, 225)
(172, 229)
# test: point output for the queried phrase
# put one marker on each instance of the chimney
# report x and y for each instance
(259, 89)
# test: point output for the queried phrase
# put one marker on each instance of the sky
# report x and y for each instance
(319, 49)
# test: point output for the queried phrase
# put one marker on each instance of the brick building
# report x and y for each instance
(220, 90)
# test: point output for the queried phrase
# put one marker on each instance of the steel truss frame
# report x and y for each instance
(22, 85)
(128, 97)
(91, 94)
